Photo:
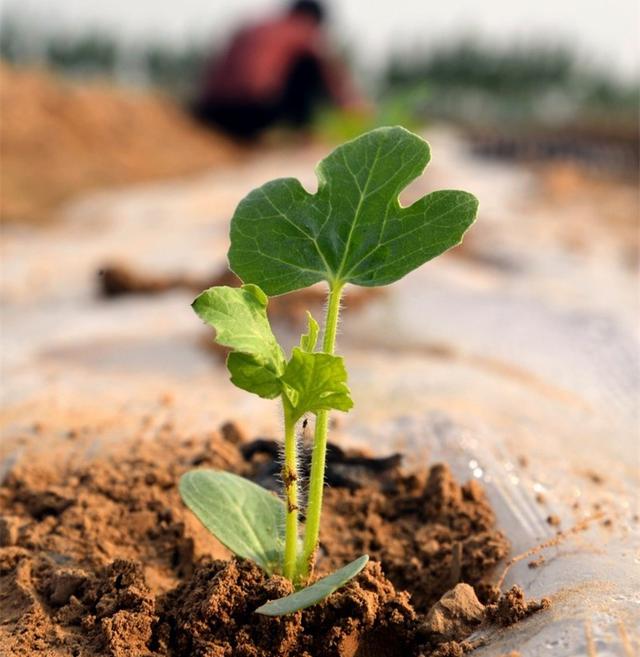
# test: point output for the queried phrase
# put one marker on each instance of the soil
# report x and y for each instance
(59, 138)
(100, 558)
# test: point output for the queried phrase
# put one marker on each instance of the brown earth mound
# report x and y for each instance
(101, 558)
(58, 138)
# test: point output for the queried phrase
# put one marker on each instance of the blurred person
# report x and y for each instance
(275, 71)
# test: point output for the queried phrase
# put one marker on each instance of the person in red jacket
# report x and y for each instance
(275, 71)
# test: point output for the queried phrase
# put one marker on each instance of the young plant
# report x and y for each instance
(352, 230)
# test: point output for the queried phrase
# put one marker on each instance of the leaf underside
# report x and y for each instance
(246, 518)
(353, 229)
(315, 593)
(239, 316)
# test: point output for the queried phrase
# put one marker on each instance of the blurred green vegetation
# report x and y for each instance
(470, 81)
(396, 108)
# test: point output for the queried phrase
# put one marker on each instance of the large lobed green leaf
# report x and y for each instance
(316, 592)
(353, 229)
(243, 516)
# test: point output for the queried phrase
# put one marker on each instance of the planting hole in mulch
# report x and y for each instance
(102, 558)
(116, 280)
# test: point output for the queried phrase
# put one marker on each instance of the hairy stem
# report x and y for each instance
(290, 478)
(318, 457)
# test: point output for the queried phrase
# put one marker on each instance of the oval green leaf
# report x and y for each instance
(313, 594)
(243, 516)
(353, 229)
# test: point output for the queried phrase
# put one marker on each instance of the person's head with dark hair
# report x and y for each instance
(311, 8)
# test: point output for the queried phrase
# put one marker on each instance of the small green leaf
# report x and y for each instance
(239, 316)
(309, 340)
(353, 229)
(243, 516)
(315, 382)
(247, 373)
(314, 593)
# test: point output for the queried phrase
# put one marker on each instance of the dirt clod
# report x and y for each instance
(455, 615)
(554, 520)
(8, 530)
(512, 607)
(420, 529)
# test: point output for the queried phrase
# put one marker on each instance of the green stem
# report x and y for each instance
(331, 320)
(290, 478)
(318, 457)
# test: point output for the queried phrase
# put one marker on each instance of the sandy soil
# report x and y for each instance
(59, 138)
(101, 559)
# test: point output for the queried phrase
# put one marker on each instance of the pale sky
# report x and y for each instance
(605, 31)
